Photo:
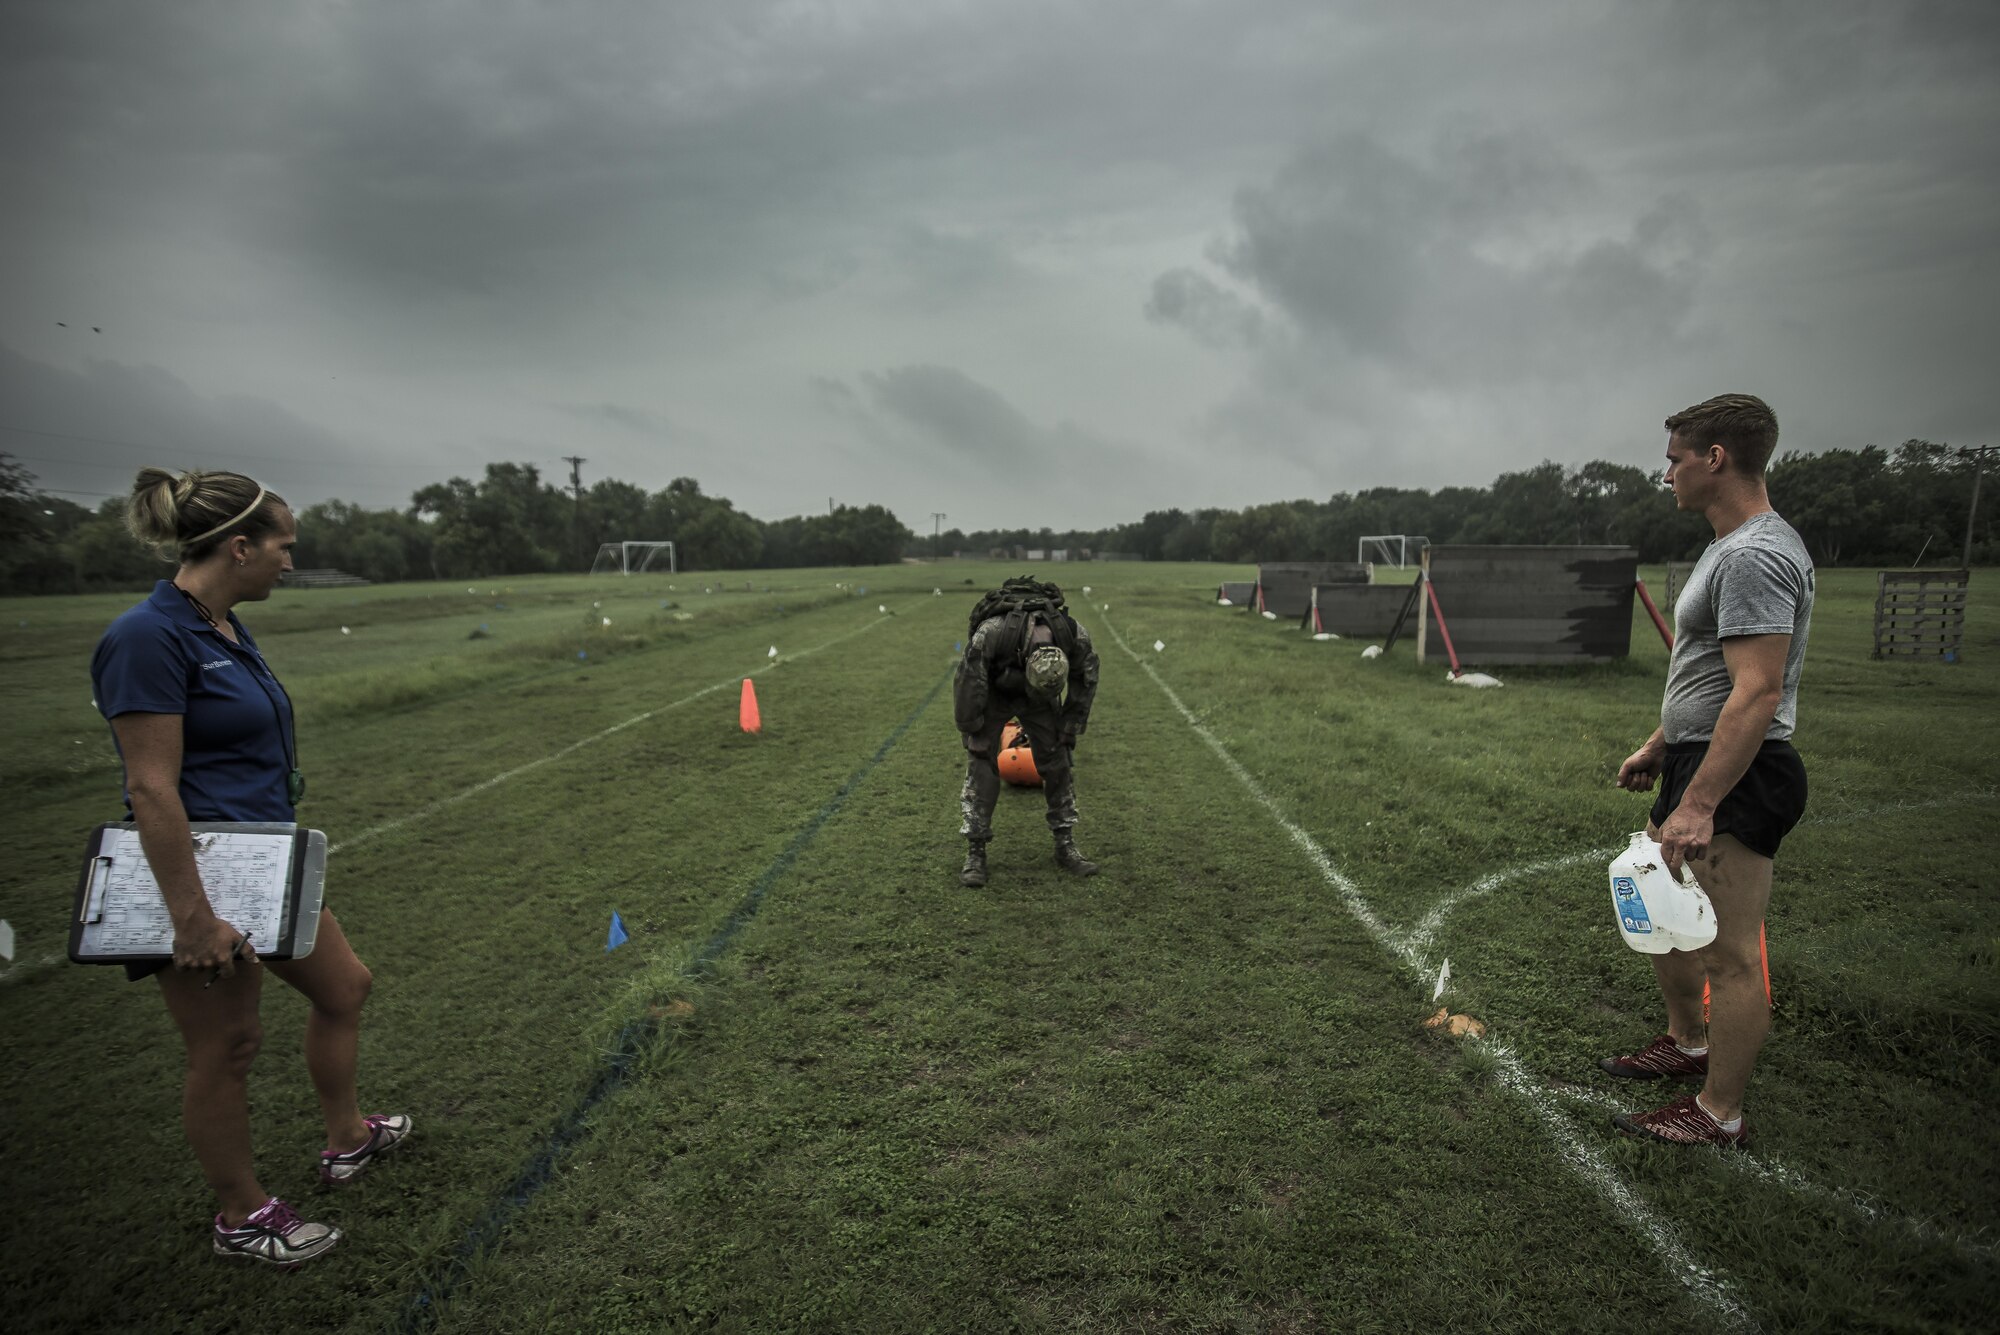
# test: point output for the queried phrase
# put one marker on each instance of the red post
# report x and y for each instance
(1443, 629)
(1658, 620)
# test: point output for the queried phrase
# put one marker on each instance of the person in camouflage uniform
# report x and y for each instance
(1037, 666)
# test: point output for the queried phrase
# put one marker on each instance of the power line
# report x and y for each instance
(70, 463)
(131, 444)
(205, 452)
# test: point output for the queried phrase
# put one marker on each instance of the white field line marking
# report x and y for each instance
(1582, 1157)
(1765, 1169)
(1424, 935)
(1421, 937)
(432, 808)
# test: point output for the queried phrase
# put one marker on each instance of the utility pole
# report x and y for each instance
(1978, 456)
(575, 462)
(937, 519)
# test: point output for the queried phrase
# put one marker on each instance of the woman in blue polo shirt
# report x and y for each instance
(206, 733)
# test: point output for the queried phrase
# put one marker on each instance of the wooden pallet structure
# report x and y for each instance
(1677, 580)
(1920, 613)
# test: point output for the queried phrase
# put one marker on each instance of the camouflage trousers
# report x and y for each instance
(982, 768)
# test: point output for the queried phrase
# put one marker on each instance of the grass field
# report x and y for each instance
(824, 1087)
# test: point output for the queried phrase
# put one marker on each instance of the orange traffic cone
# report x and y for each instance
(1764, 951)
(747, 714)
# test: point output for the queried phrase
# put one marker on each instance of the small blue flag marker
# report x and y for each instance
(583, 653)
(958, 646)
(618, 936)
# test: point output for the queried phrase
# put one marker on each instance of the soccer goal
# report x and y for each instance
(633, 558)
(1391, 549)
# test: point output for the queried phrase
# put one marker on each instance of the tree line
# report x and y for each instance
(1867, 506)
(509, 522)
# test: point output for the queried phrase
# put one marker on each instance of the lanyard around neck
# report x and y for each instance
(259, 670)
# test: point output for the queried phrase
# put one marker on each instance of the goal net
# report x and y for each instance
(1391, 549)
(633, 558)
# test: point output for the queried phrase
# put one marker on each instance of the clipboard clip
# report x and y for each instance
(100, 878)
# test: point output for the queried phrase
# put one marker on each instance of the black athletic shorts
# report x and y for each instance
(1760, 810)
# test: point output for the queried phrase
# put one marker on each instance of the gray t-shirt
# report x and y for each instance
(1756, 581)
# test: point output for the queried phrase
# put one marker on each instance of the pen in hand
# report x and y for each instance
(235, 953)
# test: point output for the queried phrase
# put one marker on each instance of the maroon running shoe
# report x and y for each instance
(1683, 1122)
(1661, 1057)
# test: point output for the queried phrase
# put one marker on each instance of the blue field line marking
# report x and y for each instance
(626, 1049)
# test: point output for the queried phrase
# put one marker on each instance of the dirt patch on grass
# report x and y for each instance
(1279, 1193)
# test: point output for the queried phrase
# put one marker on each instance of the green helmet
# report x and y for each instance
(1048, 670)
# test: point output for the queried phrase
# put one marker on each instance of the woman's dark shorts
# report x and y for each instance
(1759, 811)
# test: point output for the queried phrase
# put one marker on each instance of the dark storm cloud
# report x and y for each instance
(1437, 265)
(1206, 309)
(951, 411)
(638, 421)
(86, 432)
(1404, 242)
(944, 424)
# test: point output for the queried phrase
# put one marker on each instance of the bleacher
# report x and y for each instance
(328, 578)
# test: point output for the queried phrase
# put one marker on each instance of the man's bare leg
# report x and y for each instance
(1681, 973)
(1738, 883)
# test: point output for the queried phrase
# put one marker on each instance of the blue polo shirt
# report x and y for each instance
(236, 733)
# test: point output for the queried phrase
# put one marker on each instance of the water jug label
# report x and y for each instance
(1631, 908)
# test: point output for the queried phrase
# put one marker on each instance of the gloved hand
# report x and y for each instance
(1068, 741)
(974, 743)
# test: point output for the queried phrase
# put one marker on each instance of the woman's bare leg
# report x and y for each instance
(336, 983)
(220, 1027)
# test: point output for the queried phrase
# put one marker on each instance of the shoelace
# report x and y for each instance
(1686, 1116)
(278, 1216)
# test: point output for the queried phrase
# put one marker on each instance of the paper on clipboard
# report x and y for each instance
(247, 876)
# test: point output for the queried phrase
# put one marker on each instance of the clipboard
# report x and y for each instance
(266, 878)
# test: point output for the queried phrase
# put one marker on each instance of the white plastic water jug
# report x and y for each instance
(1655, 912)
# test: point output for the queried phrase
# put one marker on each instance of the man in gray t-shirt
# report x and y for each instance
(1758, 580)
(1731, 786)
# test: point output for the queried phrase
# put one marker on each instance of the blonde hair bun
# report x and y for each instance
(190, 513)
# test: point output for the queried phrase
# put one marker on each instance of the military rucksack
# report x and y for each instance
(1016, 601)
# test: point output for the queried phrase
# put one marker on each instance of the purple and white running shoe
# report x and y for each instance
(385, 1133)
(275, 1235)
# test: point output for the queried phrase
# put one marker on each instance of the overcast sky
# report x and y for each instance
(1018, 262)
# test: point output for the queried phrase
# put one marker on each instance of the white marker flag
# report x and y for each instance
(1444, 980)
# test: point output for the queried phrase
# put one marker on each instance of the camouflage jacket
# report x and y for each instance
(994, 665)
